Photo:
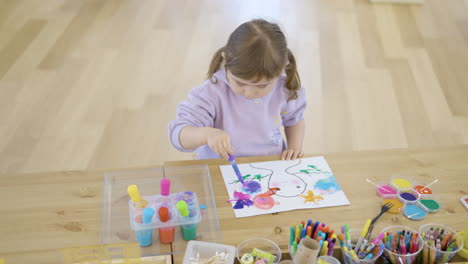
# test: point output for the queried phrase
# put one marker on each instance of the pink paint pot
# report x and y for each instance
(386, 191)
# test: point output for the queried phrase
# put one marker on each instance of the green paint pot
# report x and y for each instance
(189, 232)
(430, 205)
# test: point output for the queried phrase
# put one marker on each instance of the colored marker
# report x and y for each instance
(363, 233)
(324, 249)
(353, 255)
(298, 234)
(309, 231)
(330, 247)
(291, 235)
(341, 239)
(348, 236)
(369, 256)
(232, 160)
(303, 233)
(363, 245)
(375, 242)
(315, 229)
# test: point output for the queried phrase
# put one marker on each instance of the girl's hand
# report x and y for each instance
(289, 154)
(220, 142)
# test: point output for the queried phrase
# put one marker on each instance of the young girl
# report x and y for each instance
(253, 89)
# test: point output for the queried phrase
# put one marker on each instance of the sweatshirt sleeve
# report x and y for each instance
(294, 112)
(198, 111)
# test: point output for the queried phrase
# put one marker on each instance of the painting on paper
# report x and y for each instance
(277, 186)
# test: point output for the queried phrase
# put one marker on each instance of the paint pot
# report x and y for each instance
(397, 205)
(399, 183)
(414, 212)
(188, 197)
(430, 205)
(421, 190)
(203, 208)
(386, 191)
(144, 237)
(408, 196)
(189, 231)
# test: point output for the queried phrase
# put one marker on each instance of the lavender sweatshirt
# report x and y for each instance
(253, 124)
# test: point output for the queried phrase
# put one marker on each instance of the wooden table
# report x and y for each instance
(44, 212)
(448, 164)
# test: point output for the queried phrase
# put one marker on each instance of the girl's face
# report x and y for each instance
(249, 89)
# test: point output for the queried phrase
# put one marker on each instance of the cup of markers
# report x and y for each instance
(356, 249)
(441, 243)
(402, 245)
(322, 233)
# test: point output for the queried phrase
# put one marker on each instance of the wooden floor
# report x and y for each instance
(93, 84)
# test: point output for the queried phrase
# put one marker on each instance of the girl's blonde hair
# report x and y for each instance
(258, 49)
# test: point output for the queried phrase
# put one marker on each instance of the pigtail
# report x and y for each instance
(293, 83)
(215, 64)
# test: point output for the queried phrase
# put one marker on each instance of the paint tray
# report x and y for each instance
(116, 220)
(425, 201)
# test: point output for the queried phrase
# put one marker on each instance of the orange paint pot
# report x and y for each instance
(166, 234)
(422, 190)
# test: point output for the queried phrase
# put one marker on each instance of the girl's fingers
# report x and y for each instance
(228, 147)
(216, 150)
(283, 154)
(290, 154)
(294, 155)
(223, 151)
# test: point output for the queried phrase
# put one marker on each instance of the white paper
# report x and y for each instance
(284, 185)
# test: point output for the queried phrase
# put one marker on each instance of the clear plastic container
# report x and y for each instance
(116, 226)
(430, 253)
(204, 250)
(396, 258)
(412, 198)
(259, 247)
(347, 257)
